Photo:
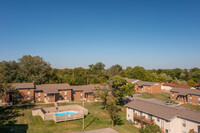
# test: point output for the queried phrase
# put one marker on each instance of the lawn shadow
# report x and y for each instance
(9, 113)
(14, 128)
(91, 122)
(118, 121)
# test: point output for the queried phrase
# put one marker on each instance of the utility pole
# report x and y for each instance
(83, 113)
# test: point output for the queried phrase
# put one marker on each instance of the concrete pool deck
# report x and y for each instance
(48, 113)
(103, 130)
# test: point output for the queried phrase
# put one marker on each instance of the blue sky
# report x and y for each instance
(76, 33)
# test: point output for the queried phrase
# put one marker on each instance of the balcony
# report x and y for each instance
(143, 119)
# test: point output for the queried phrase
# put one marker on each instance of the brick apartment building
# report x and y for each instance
(144, 86)
(183, 95)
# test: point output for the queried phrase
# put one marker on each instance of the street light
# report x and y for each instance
(83, 111)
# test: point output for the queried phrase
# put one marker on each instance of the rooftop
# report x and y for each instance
(23, 85)
(160, 109)
(184, 91)
(52, 88)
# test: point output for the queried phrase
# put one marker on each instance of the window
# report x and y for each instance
(190, 99)
(140, 113)
(172, 96)
(166, 131)
(150, 117)
(199, 99)
(128, 115)
(184, 123)
(158, 119)
(28, 95)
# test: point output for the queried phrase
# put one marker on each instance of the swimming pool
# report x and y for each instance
(65, 113)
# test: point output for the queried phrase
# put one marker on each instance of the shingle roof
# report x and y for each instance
(177, 86)
(164, 111)
(52, 88)
(132, 80)
(23, 85)
(85, 88)
(183, 91)
(141, 83)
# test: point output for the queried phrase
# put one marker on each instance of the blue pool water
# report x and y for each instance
(65, 113)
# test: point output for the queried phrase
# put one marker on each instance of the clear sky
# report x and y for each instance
(76, 33)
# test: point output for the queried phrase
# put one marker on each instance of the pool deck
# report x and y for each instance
(103, 130)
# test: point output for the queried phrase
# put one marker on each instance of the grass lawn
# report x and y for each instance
(21, 118)
(191, 106)
(160, 96)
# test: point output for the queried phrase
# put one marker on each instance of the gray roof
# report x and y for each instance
(85, 88)
(184, 91)
(164, 111)
(23, 85)
(52, 88)
(132, 80)
(142, 83)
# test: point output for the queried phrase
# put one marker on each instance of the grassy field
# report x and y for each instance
(191, 106)
(21, 118)
(160, 96)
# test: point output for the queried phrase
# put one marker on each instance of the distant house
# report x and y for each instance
(184, 95)
(150, 87)
(144, 86)
(168, 86)
(53, 92)
(84, 91)
(170, 118)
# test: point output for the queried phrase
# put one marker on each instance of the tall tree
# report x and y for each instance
(120, 89)
(115, 70)
(33, 68)
(112, 109)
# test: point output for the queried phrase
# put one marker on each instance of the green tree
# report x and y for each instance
(103, 93)
(137, 73)
(120, 89)
(113, 109)
(33, 68)
(191, 82)
(151, 128)
(115, 70)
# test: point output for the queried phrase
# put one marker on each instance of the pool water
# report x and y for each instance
(65, 113)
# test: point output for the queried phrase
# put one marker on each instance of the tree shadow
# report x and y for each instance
(8, 114)
(91, 122)
(14, 128)
(118, 121)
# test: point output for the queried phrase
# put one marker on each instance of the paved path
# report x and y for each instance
(103, 130)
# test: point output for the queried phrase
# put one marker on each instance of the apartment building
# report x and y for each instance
(144, 86)
(53, 92)
(170, 118)
(84, 91)
(168, 86)
(183, 95)
(26, 92)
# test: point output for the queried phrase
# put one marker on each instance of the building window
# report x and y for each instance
(190, 99)
(166, 131)
(28, 95)
(140, 113)
(150, 117)
(158, 119)
(184, 123)
(199, 99)
(128, 115)
(172, 95)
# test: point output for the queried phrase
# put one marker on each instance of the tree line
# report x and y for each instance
(34, 69)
